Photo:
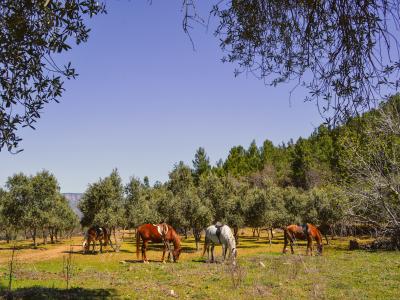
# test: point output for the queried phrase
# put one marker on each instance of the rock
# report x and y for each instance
(354, 245)
(172, 293)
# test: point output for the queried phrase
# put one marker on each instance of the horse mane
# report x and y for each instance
(231, 239)
(318, 232)
(175, 238)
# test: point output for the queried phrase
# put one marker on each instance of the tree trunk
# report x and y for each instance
(236, 234)
(254, 232)
(44, 235)
(197, 237)
(272, 233)
(51, 233)
(258, 233)
(116, 245)
(34, 238)
(269, 236)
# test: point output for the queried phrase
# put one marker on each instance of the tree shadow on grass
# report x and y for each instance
(200, 260)
(38, 292)
(257, 245)
(127, 251)
(25, 247)
(97, 252)
(160, 247)
(139, 261)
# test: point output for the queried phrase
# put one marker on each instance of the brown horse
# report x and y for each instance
(304, 232)
(96, 233)
(160, 233)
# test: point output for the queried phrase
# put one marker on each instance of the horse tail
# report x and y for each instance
(137, 243)
(205, 245)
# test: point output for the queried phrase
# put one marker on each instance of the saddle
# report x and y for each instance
(99, 231)
(304, 227)
(218, 225)
(162, 229)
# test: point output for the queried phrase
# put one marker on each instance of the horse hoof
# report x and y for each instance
(164, 262)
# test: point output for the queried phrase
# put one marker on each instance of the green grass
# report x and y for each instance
(338, 274)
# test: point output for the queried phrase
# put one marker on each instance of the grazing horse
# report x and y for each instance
(158, 233)
(220, 234)
(96, 233)
(304, 232)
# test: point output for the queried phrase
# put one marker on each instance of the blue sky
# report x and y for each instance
(145, 100)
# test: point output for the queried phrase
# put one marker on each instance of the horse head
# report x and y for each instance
(85, 246)
(320, 248)
(176, 253)
(177, 245)
(234, 253)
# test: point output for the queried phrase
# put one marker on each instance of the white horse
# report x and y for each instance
(220, 235)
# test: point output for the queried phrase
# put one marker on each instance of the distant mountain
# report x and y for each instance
(73, 199)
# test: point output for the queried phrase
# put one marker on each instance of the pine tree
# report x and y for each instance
(201, 164)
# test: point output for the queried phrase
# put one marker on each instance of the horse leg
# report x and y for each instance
(309, 246)
(105, 244)
(144, 247)
(319, 245)
(170, 257)
(291, 247)
(170, 254)
(212, 252)
(285, 241)
(143, 252)
(163, 254)
(285, 246)
(223, 252)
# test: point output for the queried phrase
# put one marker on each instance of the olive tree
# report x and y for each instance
(32, 33)
(346, 53)
(375, 172)
(196, 213)
(103, 203)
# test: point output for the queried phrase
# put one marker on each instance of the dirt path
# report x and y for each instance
(31, 255)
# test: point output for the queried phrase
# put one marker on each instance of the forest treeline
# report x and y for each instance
(344, 179)
(33, 206)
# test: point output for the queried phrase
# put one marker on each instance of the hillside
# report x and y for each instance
(73, 199)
